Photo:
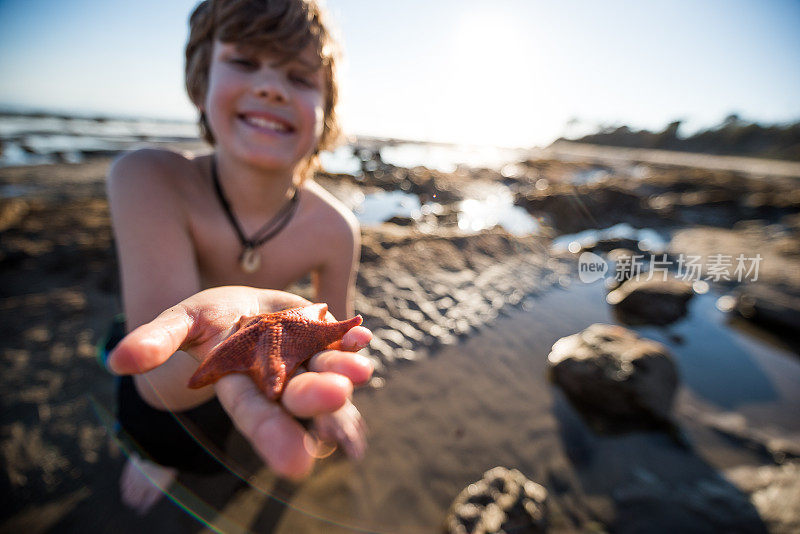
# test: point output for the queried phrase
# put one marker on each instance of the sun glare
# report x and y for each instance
(492, 78)
(485, 40)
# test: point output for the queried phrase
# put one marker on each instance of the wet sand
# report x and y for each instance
(461, 390)
(437, 425)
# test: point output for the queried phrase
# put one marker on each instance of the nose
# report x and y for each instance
(270, 87)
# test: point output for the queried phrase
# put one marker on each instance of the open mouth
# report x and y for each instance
(272, 125)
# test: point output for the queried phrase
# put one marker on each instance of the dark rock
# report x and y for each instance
(570, 209)
(428, 184)
(504, 500)
(607, 245)
(658, 302)
(401, 221)
(774, 307)
(610, 373)
(716, 198)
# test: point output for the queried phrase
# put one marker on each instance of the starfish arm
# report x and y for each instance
(329, 333)
(270, 347)
(304, 339)
(297, 340)
(234, 355)
(269, 369)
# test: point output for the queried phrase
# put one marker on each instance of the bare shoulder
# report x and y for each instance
(329, 214)
(150, 171)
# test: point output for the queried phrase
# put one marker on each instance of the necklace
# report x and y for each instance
(250, 259)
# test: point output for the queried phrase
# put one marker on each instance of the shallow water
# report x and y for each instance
(647, 238)
(29, 140)
(474, 214)
(446, 158)
(717, 361)
(381, 206)
(492, 204)
(33, 140)
(589, 176)
(438, 424)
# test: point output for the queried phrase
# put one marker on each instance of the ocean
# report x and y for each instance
(49, 138)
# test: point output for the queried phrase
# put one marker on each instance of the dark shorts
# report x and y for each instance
(188, 440)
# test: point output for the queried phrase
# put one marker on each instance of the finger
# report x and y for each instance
(275, 435)
(356, 444)
(354, 438)
(354, 366)
(354, 340)
(310, 394)
(361, 424)
(151, 344)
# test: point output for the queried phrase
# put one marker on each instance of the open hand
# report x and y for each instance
(202, 321)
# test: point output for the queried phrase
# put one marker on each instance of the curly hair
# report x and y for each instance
(283, 27)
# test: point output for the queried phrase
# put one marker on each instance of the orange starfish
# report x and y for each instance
(271, 346)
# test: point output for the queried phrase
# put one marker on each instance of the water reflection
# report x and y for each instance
(379, 207)
(647, 238)
(590, 176)
(714, 361)
(38, 140)
(443, 158)
(474, 215)
(717, 362)
(446, 158)
(35, 139)
(340, 161)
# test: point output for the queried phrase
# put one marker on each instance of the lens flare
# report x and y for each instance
(207, 515)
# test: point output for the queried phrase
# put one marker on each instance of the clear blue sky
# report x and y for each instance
(509, 72)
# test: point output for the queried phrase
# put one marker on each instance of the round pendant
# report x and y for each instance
(250, 260)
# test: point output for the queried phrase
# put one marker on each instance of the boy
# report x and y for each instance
(262, 75)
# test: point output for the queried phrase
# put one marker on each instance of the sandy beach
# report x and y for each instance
(464, 321)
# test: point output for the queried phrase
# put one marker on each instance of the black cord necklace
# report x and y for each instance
(250, 259)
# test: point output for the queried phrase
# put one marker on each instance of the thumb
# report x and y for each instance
(151, 344)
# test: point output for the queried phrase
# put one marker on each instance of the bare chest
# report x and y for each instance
(285, 258)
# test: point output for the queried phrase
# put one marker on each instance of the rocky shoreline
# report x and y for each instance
(425, 286)
(699, 212)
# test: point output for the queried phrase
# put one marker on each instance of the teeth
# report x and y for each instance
(265, 123)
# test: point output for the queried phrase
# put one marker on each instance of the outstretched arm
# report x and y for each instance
(202, 321)
(156, 258)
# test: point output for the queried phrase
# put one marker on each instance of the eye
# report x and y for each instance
(302, 79)
(243, 62)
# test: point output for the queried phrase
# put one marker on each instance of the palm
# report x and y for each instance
(202, 321)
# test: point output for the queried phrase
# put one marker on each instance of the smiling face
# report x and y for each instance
(264, 111)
